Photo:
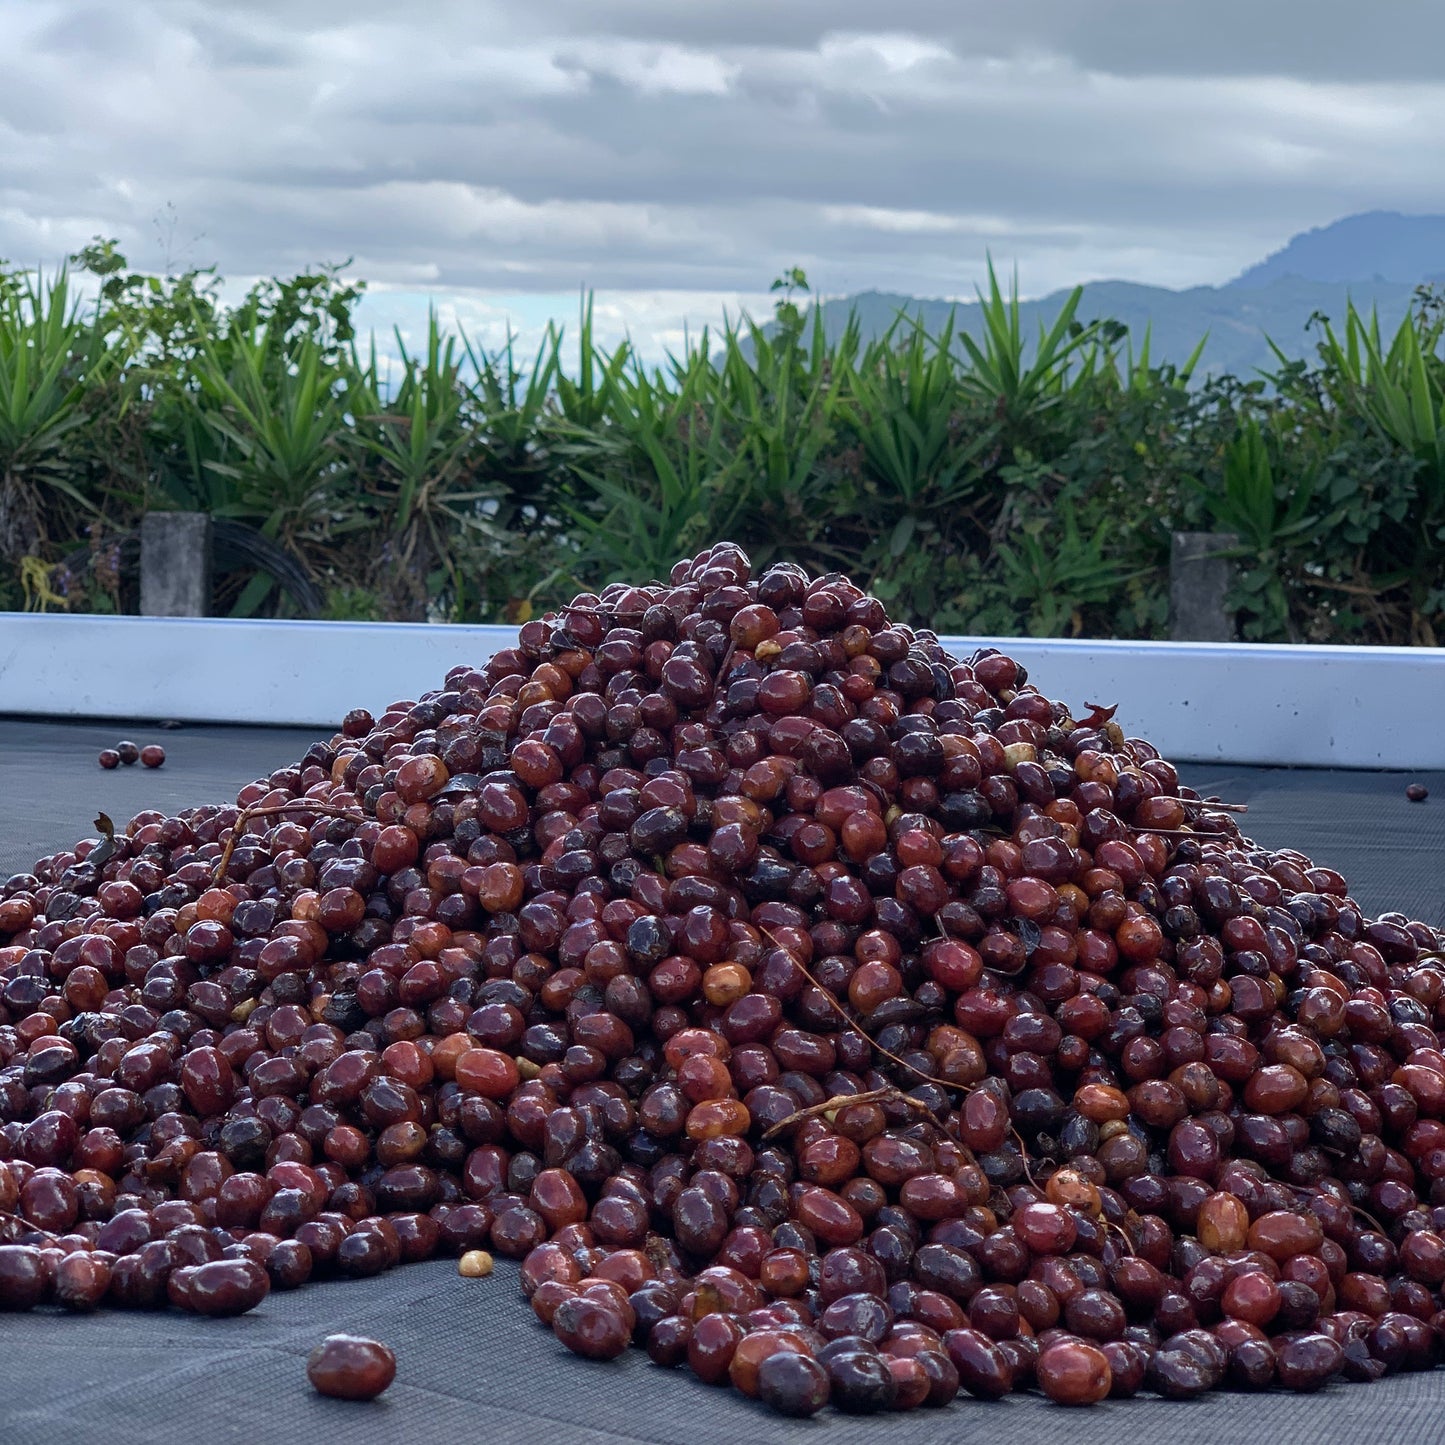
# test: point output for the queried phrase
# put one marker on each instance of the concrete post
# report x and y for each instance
(1199, 583)
(175, 564)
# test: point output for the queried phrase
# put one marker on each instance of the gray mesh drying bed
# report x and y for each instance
(1391, 850)
(472, 1362)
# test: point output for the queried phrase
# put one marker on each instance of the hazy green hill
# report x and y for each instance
(1381, 244)
(1390, 255)
(1237, 319)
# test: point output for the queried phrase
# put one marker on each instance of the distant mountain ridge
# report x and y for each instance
(1373, 246)
(1377, 260)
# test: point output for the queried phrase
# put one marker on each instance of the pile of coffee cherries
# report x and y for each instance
(829, 1016)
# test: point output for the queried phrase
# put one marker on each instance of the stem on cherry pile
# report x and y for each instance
(852, 1023)
(892, 1093)
(325, 810)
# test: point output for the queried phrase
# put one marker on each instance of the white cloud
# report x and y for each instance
(654, 69)
(674, 156)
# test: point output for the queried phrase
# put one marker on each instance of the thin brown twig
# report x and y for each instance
(873, 1043)
(841, 1101)
(1121, 1232)
(1024, 1157)
(1365, 1214)
(1217, 807)
(326, 810)
(855, 1026)
(1359, 1209)
(26, 1225)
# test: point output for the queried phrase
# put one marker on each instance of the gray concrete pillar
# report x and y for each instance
(1199, 582)
(175, 564)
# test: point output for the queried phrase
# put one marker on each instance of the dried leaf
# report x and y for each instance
(98, 856)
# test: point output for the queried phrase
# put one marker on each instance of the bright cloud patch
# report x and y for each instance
(673, 156)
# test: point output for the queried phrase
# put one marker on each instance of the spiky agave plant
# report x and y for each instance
(277, 406)
(51, 354)
(650, 476)
(423, 461)
(1400, 387)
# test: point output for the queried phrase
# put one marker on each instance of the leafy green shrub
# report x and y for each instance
(1010, 484)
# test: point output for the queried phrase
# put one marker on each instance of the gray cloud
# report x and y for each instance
(1345, 40)
(646, 146)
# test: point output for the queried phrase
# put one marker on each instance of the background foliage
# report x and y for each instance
(1000, 483)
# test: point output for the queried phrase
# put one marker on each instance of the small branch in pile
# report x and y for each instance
(1305, 1196)
(1120, 1231)
(26, 1227)
(325, 810)
(857, 1028)
(873, 1043)
(1213, 807)
(841, 1101)
(1365, 1214)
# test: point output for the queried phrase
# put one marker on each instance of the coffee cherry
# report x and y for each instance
(475, 1264)
(1073, 1373)
(348, 1367)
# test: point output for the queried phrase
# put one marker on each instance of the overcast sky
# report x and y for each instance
(677, 154)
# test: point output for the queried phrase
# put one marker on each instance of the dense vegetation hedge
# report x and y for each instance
(1021, 484)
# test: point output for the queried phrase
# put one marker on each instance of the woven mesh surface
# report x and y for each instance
(472, 1362)
(51, 786)
(1391, 850)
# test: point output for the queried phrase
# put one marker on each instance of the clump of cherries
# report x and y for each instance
(844, 1020)
(153, 755)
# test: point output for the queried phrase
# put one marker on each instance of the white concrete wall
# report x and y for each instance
(1198, 701)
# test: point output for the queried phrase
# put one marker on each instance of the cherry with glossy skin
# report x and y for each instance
(81, 1281)
(227, 1287)
(1308, 1362)
(793, 1384)
(982, 1369)
(860, 1382)
(1045, 1228)
(668, 1340)
(349, 1367)
(1073, 1373)
(1185, 1365)
(713, 1347)
(24, 1281)
(1252, 1297)
(591, 1328)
